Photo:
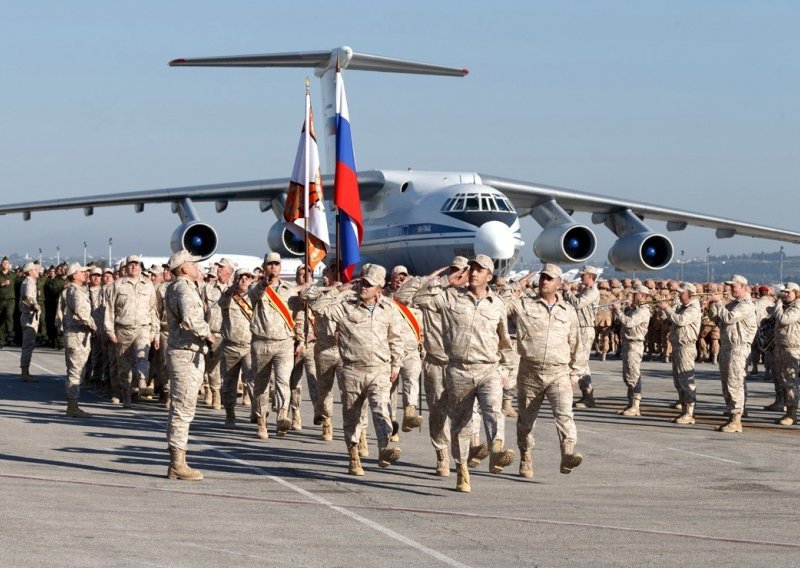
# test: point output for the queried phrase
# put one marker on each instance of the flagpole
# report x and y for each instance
(336, 126)
(307, 140)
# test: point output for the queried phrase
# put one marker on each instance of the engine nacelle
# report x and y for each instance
(641, 251)
(198, 238)
(565, 243)
(284, 242)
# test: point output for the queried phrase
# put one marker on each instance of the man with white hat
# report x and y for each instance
(189, 336)
(29, 311)
(787, 350)
(547, 341)
(480, 356)
(737, 325)
(372, 350)
(584, 301)
(273, 329)
(211, 292)
(131, 323)
(634, 323)
(77, 324)
(684, 331)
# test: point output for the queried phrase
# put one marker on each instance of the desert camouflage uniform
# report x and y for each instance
(683, 337)
(77, 323)
(235, 355)
(737, 322)
(411, 367)
(98, 357)
(634, 322)
(787, 351)
(29, 310)
(604, 324)
(584, 302)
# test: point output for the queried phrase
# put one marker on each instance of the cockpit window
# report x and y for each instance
(477, 202)
(501, 204)
(472, 203)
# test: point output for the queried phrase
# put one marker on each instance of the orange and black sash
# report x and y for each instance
(280, 306)
(247, 310)
(410, 318)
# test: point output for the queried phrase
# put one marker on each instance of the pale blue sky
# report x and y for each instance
(687, 104)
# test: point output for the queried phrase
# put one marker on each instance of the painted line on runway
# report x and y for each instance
(705, 456)
(317, 502)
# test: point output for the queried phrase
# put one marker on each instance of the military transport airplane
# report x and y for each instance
(423, 219)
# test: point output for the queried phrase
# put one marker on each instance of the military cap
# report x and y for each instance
(212, 271)
(227, 262)
(791, 287)
(96, 270)
(29, 266)
(736, 279)
(272, 257)
(156, 269)
(180, 258)
(75, 267)
(763, 289)
(484, 262)
(552, 270)
(687, 287)
(374, 275)
(133, 258)
(243, 272)
(587, 269)
(399, 269)
(459, 262)
(642, 290)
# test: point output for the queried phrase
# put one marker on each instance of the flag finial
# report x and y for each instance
(308, 86)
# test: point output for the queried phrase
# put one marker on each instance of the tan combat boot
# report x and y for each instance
(297, 420)
(355, 461)
(677, 406)
(499, 458)
(387, 456)
(395, 437)
(462, 478)
(245, 398)
(327, 430)
(442, 463)
(790, 418)
(116, 394)
(262, 428)
(687, 417)
(178, 469)
(230, 418)
(525, 464)
(633, 409)
(283, 424)
(411, 419)
(25, 374)
(733, 425)
(216, 400)
(570, 459)
(208, 397)
(508, 409)
(363, 447)
(477, 452)
(73, 411)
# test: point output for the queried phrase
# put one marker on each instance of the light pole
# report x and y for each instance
(781, 265)
(682, 265)
(40, 257)
(109, 252)
(84, 253)
(58, 255)
(708, 264)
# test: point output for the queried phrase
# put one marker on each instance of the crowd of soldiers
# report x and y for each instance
(473, 342)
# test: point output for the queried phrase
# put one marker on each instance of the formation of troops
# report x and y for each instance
(467, 340)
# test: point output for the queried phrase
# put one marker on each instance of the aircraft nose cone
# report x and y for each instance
(495, 240)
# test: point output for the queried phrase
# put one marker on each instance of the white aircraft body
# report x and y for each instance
(423, 219)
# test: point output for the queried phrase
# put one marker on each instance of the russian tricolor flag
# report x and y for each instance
(345, 189)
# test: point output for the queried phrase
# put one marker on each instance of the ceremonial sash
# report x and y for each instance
(410, 318)
(280, 306)
(242, 303)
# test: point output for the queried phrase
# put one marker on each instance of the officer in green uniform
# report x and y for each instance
(8, 280)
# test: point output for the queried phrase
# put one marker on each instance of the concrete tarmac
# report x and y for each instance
(649, 493)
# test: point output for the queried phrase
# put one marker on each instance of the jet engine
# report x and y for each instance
(284, 242)
(641, 251)
(196, 237)
(565, 243)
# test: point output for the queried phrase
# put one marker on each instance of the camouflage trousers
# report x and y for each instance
(407, 383)
(684, 358)
(213, 378)
(370, 384)
(632, 352)
(77, 347)
(533, 386)
(437, 399)
(787, 363)
(272, 357)
(186, 370)
(732, 370)
(132, 349)
(235, 361)
(465, 383)
(303, 363)
(582, 371)
(327, 364)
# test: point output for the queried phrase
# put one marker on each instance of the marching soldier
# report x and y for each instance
(634, 320)
(372, 351)
(708, 339)
(211, 292)
(78, 325)
(737, 322)
(787, 350)
(685, 326)
(29, 317)
(584, 301)
(480, 355)
(303, 354)
(547, 341)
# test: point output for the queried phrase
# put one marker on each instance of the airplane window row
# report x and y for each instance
(477, 202)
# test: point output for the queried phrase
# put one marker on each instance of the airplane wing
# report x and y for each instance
(526, 196)
(370, 182)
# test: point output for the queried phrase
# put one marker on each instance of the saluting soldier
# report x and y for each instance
(634, 320)
(584, 301)
(29, 310)
(685, 320)
(787, 350)
(189, 336)
(78, 325)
